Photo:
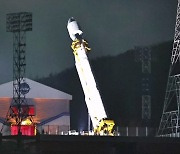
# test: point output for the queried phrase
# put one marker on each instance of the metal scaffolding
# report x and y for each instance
(143, 54)
(169, 124)
(18, 24)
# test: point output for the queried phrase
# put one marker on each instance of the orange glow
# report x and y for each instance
(47, 99)
(26, 122)
(6, 99)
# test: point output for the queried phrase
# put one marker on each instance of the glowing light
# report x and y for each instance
(26, 122)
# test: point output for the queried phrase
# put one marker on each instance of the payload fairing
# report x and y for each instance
(74, 29)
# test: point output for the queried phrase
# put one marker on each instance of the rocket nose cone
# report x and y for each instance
(71, 20)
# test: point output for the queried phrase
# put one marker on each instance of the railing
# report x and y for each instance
(121, 131)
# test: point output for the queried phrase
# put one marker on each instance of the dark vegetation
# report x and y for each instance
(119, 79)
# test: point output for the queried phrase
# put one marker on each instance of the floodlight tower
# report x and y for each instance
(18, 24)
(170, 120)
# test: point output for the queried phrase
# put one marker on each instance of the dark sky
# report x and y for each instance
(110, 26)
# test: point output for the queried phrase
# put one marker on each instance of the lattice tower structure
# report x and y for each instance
(170, 119)
(19, 24)
(143, 55)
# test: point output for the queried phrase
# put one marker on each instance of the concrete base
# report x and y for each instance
(46, 144)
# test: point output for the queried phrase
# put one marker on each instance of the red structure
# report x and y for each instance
(28, 130)
(26, 127)
(26, 109)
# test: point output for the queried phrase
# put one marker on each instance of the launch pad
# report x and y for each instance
(46, 144)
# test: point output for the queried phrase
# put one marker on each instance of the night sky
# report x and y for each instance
(111, 27)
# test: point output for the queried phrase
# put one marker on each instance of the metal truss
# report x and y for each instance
(170, 124)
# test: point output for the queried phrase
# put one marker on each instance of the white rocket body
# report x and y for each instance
(92, 96)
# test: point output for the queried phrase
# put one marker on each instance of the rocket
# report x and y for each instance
(74, 29)
(91, 93)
